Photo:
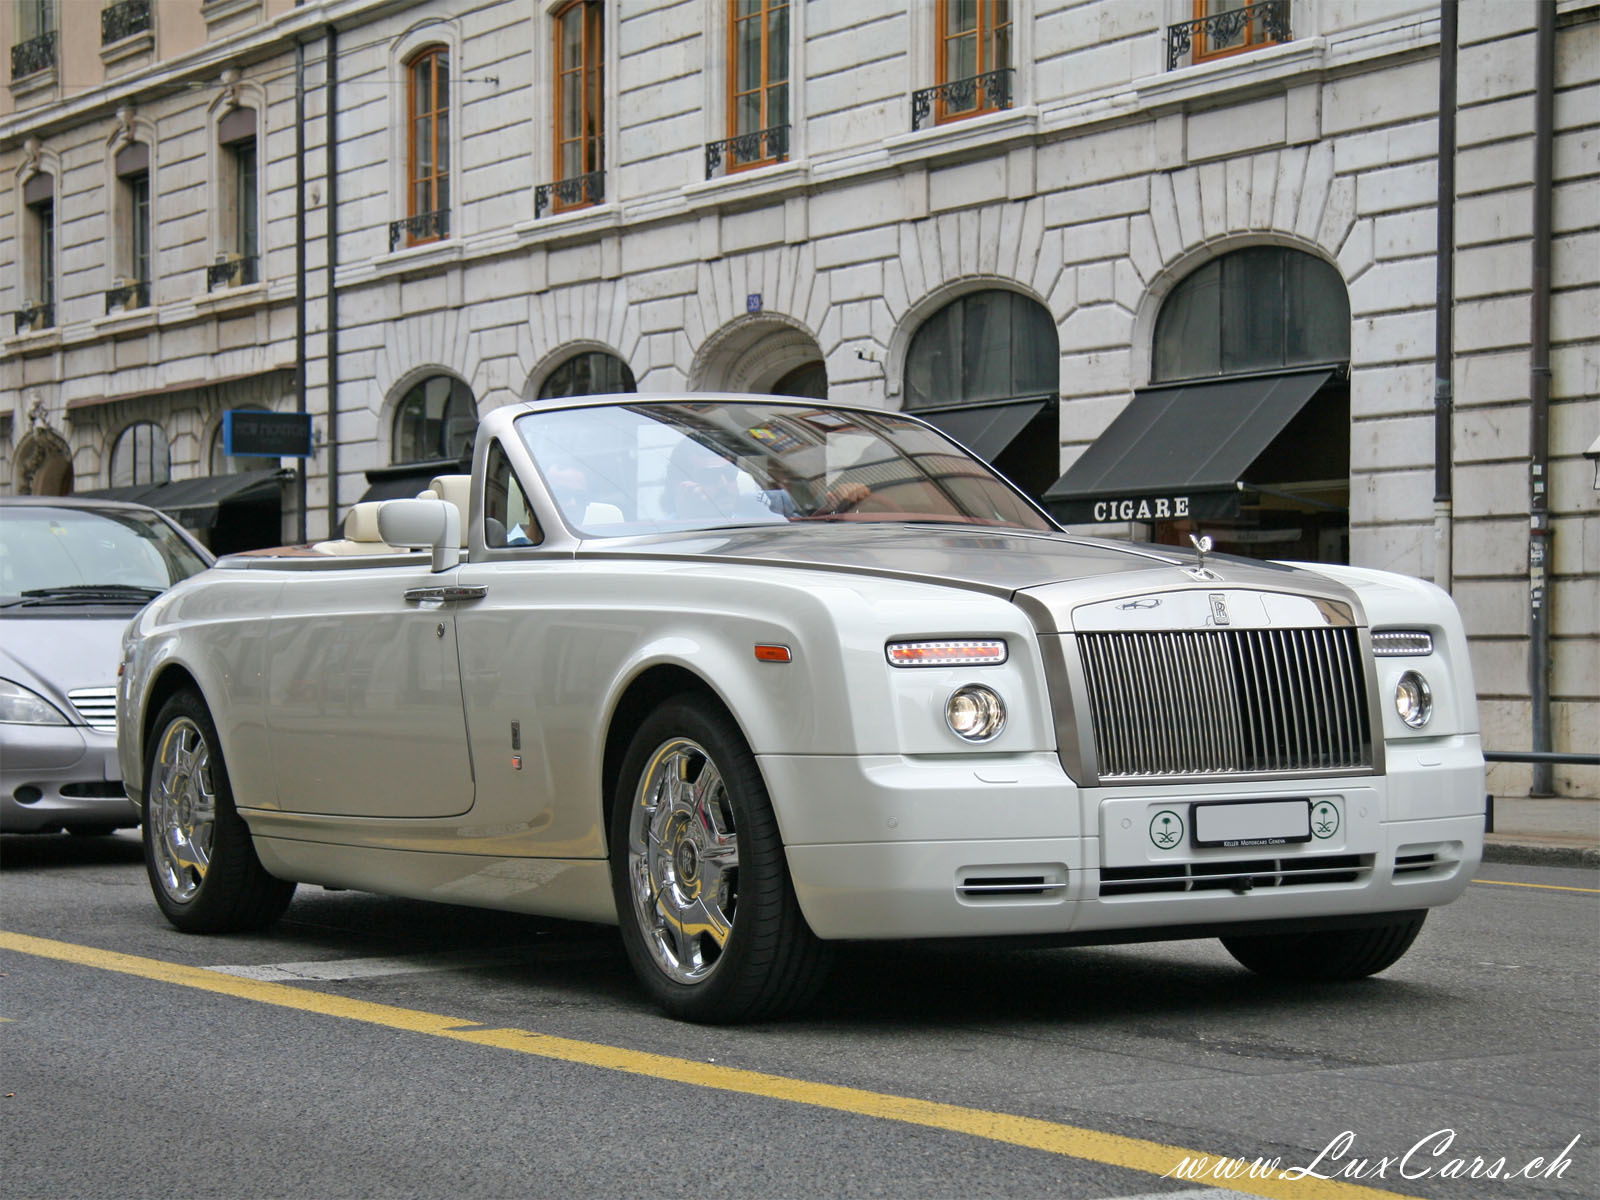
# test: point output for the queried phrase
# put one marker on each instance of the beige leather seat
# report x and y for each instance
(458, 490)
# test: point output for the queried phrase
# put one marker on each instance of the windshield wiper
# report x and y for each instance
(90, 593)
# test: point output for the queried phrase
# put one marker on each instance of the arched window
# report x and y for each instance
(435, 420)
(593, 373)
(990, 345)
(1257, 309)
(141, 455)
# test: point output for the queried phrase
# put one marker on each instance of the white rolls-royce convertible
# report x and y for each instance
(751, 676)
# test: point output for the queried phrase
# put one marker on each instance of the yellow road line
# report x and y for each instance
(1129, 1153)
(1547, 887)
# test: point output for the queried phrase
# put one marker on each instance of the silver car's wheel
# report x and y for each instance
(183, 811)
(709, 917)
(683, 861)
(203, 868)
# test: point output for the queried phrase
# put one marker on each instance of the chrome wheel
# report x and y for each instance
(182, 811)
(683, 861)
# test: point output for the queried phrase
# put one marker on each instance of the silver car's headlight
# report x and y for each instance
(975, 712)
(19, 706)
(1413, 699)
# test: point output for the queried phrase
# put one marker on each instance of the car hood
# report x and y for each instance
(1001, 561)
(53, 655)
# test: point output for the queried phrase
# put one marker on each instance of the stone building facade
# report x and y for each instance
(460, 206)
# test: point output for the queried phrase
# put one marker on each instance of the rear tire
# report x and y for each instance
(709, 917)
(203, 868)
(1328, 955)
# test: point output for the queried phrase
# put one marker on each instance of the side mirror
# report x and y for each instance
(423, 525)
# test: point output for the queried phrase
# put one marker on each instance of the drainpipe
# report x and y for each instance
(332, 192)
(1539, 532)
(300, 269)
(1444, 311)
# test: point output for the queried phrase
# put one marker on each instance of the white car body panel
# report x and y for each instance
(456, 750)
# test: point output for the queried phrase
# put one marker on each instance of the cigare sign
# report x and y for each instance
(1151, 508)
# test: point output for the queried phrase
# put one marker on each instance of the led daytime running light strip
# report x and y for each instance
(1397, 643)
(964, 653)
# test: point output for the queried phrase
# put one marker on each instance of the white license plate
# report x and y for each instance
(1261, 823)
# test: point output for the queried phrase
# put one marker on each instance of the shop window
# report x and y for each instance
(1262, 308)
(593, 373)
(988, 345)
(435, 420)
(141, 456)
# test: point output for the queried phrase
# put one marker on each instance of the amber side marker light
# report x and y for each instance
(773, 654)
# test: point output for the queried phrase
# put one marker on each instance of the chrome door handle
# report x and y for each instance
(440, 595)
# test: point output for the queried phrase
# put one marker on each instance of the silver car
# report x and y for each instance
(72, 575)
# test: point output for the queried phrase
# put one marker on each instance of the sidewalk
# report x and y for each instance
(1546, 833)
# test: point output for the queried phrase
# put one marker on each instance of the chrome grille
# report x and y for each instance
(97, 707)
(1227, 701)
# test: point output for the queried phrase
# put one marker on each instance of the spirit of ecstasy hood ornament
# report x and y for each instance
(1202, 546)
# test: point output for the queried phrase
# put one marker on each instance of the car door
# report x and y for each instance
(364, 705)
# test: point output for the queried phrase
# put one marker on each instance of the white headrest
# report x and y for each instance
(361, 522)
(458, 490)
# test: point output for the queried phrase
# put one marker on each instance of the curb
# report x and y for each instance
(1541, 855)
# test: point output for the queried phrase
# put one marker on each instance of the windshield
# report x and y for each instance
(627, 469)
(92, 550)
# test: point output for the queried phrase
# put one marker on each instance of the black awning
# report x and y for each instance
(406, 480)
(195, 501)
(1180, 451)
(985, 429)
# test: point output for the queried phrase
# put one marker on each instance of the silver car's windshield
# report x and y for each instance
(621, 470)
(60, 553)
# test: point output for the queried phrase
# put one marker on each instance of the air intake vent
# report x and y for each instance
(1241, 875)
(995, 884)
(1227, 702)
(97, 707)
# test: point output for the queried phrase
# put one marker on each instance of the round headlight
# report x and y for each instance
(1413, 700)
(975, 712)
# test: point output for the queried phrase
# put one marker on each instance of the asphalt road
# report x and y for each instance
(372, 1047)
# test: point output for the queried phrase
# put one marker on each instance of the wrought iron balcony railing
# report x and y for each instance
(975, 94)
(123, 19)
(237, 270)
(748, 149)
(576, 192)
(34, 55)
(129, 293)
(1235, 29)
(36, 316)
(424, 227)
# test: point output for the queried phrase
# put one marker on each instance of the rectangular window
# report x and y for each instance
(139, 231)
(246, 235)
(758, 82)
(44, 216)
(974, 40)
(429, 190)
(35, 19)
(579, 100)
(1225, 27)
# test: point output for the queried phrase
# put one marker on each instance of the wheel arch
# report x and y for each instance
(171, 679)
(645, 692)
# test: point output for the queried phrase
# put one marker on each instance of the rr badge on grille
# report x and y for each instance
(1219, 608)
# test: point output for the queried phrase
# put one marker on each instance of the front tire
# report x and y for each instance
(1329, 955)
(709, 917)
(197, 851)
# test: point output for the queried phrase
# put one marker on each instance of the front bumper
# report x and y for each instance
(890, 847)
(53, 776)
